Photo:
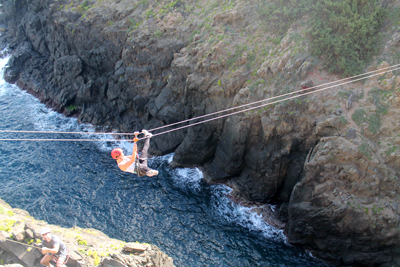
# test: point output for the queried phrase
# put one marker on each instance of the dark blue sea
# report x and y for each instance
(78, 184)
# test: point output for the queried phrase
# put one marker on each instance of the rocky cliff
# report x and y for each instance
(20, 243)
(329, 158)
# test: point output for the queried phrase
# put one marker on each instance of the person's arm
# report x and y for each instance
(54, 249)
(128, 160)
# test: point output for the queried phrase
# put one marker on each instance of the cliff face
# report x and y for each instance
(330, 158)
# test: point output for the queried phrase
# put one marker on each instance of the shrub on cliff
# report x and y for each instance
(344, 33)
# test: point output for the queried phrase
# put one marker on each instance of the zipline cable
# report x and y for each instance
(214, 113)
(270, 103)
(302, 93)
(271, 98)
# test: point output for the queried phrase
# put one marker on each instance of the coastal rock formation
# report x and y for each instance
(353, 196)
(20, 241)
(326, 156)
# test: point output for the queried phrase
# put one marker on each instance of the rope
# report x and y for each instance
(259, 106)
(302, 93)
(66, 140)
(55, 258)
(22, 243)
(244, 105)
(48, 132)
(206, 115)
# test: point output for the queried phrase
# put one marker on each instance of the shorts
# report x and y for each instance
(61, 257)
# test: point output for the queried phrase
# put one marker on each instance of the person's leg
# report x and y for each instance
(144, 154)
(46, 260)
(61, 261)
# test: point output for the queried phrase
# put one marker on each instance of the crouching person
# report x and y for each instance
(53, 248)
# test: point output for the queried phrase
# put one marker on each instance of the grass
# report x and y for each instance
(342, 120)
(158, 33)
(363, 148)
(374, 122)
(359, 116)
(7, 225)
(345, 34)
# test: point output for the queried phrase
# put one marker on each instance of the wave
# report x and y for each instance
(190, 180)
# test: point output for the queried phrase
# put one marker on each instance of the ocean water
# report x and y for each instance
(78, 184)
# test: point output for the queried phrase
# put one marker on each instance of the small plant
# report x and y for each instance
(342, 120)
(71, 108)
(158, 33)
(95, 256)
(363, 148)
(7, 225)
(374, 123)
(359, 116)
(81, 241)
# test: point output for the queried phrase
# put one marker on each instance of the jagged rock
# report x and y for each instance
(135, 247)
(29, 234)
(234, 17)
(18, 232)
(108, 262)
(351, 134)
(342, 196)
(18, 251)
(349, 103)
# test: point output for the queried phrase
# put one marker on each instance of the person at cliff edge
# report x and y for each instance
(133, 163)
(53, 248)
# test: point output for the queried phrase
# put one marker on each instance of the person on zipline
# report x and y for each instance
(129, 163)
(53, 248)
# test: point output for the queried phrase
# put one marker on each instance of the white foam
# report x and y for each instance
(189, 179)
(186, 178)
(3, 63)
(243, 216)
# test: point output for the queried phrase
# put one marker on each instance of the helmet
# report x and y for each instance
(45, 230)
(116, 152)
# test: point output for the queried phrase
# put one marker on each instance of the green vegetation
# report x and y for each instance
(71, 108)
(95, 256)
(158, 33)
(7, 225)
(81, 241)
(84, 7)
(342, 120)
(363, 148)
(344, 33)
(394, 16)
(374, 122)
(359, 116)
